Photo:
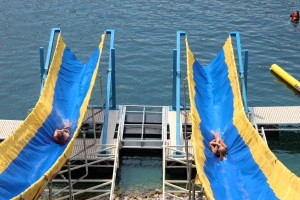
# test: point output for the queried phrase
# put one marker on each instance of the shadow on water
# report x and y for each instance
(286, 147)
(285, 84)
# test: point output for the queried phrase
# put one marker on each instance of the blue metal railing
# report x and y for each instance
(242, 69)
(178, 80)
(45, 67)
(42, 63)
(246, 70)
(174, 80)
(110, 85)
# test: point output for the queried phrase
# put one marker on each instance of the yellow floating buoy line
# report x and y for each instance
(286, 76)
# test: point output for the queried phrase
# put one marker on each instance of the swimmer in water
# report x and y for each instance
(294, 17)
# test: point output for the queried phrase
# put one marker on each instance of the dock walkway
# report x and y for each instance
(149, 127)
(285, 118)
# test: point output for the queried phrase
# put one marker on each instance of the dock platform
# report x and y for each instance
(145, 127)
(285, 118)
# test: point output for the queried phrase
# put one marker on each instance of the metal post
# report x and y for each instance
(246, 67)
(116, 166)
(85, 153)
(70, 180)
(188, 170)
(42, 63)
(101, 93)
(108, 87)
(49, 52)
(178, 79)
(143, 126)
(193, 189)
(246, 74)
(190, 181)
(174, 80)
(241, 69)
(94, 125)
(50, 189)
(113, 80)
(107, 103)
(164, 169)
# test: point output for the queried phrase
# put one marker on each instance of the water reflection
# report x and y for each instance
(285, 84)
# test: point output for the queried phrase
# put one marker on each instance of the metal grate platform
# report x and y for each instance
(7, 127)
(275, 115)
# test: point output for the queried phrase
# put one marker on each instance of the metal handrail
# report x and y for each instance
(178, 77)
(109, 83)
(142, 141)
(116, 164)
(241, 70)
(45, 68)
(264, 135)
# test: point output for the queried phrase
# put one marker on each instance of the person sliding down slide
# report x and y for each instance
(218, 147)
(61, 136)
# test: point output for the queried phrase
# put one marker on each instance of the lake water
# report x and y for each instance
(144, 40)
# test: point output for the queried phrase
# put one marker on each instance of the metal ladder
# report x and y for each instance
(142, 126)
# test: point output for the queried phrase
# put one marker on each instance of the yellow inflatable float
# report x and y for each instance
(286, 76)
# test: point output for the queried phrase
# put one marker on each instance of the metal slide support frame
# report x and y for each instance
(109, 83)
(178, 79)
(241, 69)
(45, 67)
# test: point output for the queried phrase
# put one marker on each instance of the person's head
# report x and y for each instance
(223, 152)
(296, 12)
(59, 133)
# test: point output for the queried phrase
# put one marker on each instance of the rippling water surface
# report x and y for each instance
(144, 40)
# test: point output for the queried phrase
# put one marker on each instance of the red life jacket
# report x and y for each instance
(295, 18)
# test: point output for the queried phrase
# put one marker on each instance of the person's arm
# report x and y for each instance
(213, 146)
(214, 149)
(67, 123)
(56, 133)
(222, 143)
(56, 136)
(215, 134)
(67, 134)
(67, 127)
